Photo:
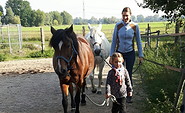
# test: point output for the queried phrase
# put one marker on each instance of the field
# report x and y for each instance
(34, 32)
(31, 37)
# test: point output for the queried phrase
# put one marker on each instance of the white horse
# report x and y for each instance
(101, 48)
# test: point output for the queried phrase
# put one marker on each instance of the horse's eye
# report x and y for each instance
(91, 37)
(69, 46)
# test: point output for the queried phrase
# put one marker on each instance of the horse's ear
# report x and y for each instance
(53, 30)
(70, 30)
(89, 26)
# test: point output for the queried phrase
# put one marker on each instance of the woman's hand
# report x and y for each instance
(141, 60)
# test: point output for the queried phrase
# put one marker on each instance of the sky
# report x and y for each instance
(95, 8)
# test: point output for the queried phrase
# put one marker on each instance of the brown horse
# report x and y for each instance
(73, 61)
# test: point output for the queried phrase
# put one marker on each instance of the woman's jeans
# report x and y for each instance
(129, 59)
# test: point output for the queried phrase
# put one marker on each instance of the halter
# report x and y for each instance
(97, 43)
(68, 60)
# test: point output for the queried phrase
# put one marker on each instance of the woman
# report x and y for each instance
(123, 41)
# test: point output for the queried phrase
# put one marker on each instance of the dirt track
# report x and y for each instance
(31, 86)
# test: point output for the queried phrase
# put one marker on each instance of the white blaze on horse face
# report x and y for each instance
(60, 45)
(59, 66)
(97, 40)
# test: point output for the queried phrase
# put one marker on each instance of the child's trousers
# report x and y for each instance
(121, 107)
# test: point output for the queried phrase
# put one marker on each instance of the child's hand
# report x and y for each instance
(107, 96)
(129, 93)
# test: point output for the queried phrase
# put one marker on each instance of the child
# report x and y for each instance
(118, 83)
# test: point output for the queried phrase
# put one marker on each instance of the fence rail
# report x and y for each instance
(181, 70)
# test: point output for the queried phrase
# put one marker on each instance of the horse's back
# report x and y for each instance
(83, 40)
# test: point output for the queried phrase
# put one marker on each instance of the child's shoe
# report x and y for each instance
(129, 99)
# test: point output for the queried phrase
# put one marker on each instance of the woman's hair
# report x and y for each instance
(127, 9)
(115, 55)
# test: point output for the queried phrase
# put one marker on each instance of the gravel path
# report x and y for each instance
(31, 86)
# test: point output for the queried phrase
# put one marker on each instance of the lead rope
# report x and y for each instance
(106, 101)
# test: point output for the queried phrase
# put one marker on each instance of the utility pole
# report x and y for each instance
(83, 10)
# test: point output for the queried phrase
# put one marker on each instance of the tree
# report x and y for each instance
(93, 20)
(133, 18)
(78, 21)
(67, 18)
(173, 10)
(48, 19)
(10, 18)
(38, 18)
(1, 10)
(22, 9)
(140, 18)
(1, 14)
(56, 17)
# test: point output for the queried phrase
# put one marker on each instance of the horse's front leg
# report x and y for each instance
(72, 97)
(64, 89)
(101, 65)
(77, 99)
(91, 76)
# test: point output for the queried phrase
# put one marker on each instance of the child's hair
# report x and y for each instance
(115, 55)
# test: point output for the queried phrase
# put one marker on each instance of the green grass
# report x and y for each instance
(161, 83)
(31, 35)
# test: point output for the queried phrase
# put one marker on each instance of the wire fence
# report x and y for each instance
(11, 36)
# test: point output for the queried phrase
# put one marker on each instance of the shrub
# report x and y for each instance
(158, 80)
(45, 54)
(2, 57)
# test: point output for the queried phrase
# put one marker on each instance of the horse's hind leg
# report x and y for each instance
(83, 101)
(72, 97)
(77, 99)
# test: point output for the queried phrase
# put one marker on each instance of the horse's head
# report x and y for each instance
(95, 38)
(64, 42)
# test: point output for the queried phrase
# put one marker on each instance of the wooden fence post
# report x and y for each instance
(157, 41)
(148, 34)
(83, 30)
(180, 87)
(42, 39)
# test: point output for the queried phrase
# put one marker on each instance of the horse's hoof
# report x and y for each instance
(83, 104)
(73, 109)
(99, 92)
(101, 83)
(94, 90)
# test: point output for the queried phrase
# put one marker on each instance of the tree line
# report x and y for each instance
(20, 12)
